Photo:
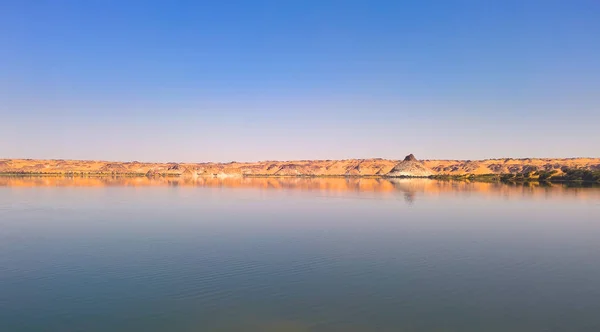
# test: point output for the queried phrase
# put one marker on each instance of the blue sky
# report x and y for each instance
(255, 80)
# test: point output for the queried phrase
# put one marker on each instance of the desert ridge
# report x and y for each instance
(410, 166)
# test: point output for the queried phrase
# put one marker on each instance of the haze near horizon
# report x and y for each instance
(272, 80)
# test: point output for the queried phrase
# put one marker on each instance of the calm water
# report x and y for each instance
(297, 255)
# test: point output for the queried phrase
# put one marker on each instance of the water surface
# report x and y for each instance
(128, 254)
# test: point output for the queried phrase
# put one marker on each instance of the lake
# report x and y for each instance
(297, 254)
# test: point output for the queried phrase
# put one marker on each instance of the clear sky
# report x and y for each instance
(315, 79)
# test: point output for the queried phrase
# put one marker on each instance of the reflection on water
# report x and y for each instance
(410, 189)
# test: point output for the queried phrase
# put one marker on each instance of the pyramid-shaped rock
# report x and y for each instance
(410, 167)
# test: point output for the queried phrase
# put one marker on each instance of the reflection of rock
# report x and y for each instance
(408, 189)
(409, 197)
(410, 166)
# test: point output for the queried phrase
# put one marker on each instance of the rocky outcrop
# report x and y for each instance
(188, 173)
(4, 166)
(113, 168)
(410, 167)
(509, 165)
(410, 157)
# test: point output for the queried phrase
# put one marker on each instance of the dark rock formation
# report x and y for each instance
(410, 157)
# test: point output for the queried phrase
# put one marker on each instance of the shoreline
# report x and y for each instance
(487, 178)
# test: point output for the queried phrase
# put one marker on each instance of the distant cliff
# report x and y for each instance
(407, 167)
